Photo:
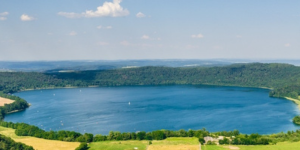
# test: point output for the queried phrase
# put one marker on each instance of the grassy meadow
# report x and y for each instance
(167, 144)
(278, 146)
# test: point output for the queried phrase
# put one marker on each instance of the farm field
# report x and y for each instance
(119, 145)
(212, 147)
(167, 144)
(4, 101)
(37, 143)
(278, 146)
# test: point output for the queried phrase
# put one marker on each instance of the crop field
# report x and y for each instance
(37, 143)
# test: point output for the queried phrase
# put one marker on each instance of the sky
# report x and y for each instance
(149, 29)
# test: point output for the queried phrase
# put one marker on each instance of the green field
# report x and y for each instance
(169, 143)
(118, 145)
(212, 147)
(278, 146)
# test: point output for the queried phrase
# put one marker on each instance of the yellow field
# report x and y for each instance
(37, 143)
(5, 101)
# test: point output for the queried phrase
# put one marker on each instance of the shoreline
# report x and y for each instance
(93, 86)
(50, 88)
(14, 111)
(296, 101)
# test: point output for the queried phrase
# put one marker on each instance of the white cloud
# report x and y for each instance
(125, 43)
(108, 9)
(217, 47)
(2, 18)
(145, 37)
(287, 45)
(191, 46)
(4, 13)
(140, 15)
(25, 17)
(197, 36)
(102, 43)
(69, 14)
(238, 36)
(107, 27)
(73, 33)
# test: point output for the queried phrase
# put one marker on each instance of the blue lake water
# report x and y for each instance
(100, 110)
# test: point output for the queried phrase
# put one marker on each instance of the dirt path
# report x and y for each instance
(231, 147)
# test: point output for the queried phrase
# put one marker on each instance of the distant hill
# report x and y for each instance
(284, 78)
(55, 66)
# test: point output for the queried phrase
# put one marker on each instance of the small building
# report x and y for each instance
(221, 138)
(215, 140)
(209, 138)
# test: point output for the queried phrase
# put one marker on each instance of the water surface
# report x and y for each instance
(100, 110)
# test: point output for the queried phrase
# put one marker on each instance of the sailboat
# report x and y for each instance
(129, 103)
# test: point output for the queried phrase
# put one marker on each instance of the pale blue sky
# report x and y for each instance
(178, 29)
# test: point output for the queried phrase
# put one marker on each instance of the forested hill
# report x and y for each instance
(284, 78)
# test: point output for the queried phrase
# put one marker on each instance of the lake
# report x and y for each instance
(147, 108)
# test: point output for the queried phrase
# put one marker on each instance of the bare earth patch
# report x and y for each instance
(5, 101)
(232, 147)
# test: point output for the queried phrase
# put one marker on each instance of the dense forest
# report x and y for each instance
(11, 82)
(283, 78)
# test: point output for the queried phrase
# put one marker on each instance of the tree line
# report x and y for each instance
(233, 137)
(23, 129)
(154, 135)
